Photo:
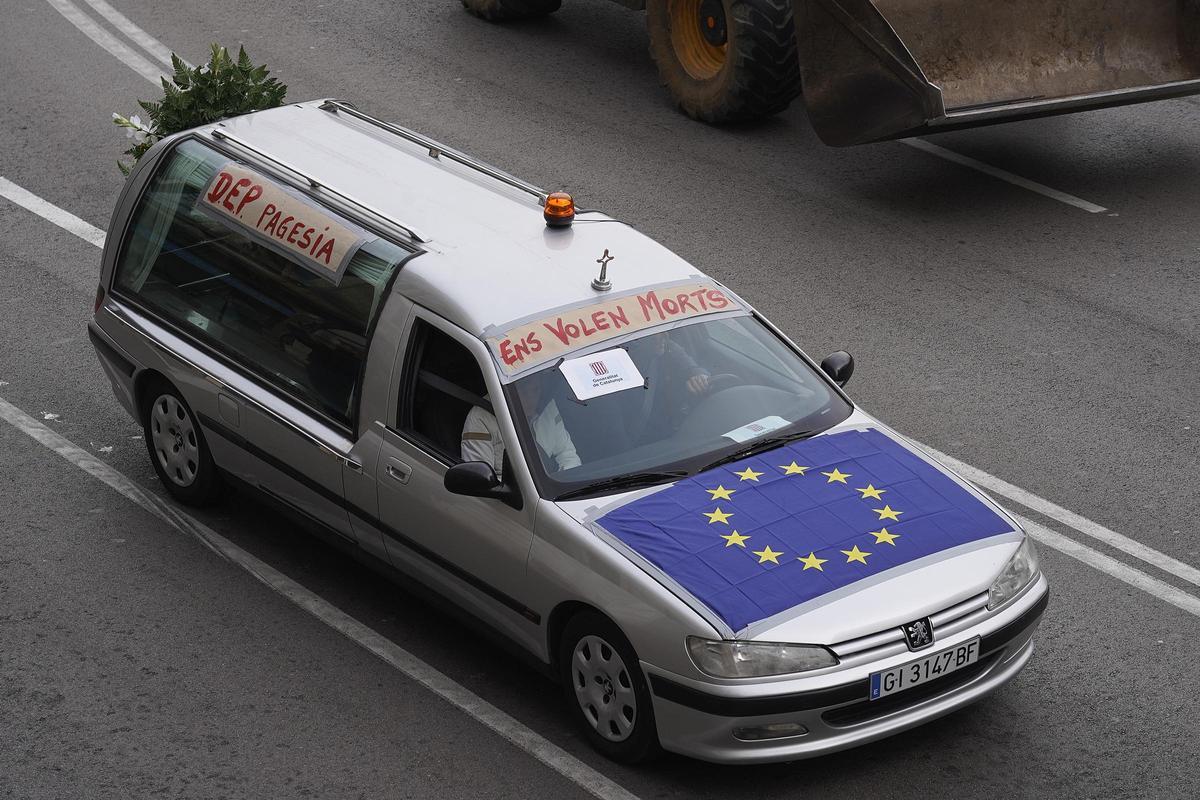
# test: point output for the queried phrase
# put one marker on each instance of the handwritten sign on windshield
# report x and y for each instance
(530, 343)
(298, 226)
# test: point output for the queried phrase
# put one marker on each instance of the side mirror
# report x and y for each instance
(839, 366)
(478, 479)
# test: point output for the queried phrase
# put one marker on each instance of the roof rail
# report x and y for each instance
(436, 150)
(313, 183)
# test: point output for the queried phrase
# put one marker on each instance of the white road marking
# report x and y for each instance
(996, 172)
(51, 213)
(122, 23)
(440, 684)
(1111, 566)
(112, 44)
(1069, 518)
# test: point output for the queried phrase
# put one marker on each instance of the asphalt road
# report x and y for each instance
(1051, 347)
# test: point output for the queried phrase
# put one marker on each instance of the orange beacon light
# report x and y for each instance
(559, 210)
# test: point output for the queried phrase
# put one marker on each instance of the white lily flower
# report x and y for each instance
(134, 127)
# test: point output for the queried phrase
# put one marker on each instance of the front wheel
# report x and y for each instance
(726, 60)
(605, 690)
(177, 447)
(500, 10)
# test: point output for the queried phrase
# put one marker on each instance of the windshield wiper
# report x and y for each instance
(761, 446)
(632, 481)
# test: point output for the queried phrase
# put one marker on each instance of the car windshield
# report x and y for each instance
(697, 394)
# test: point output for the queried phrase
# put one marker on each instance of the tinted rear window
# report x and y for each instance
(264, 310)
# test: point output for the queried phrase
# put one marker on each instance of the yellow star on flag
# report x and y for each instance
(748, 474)
(767, 554)
(717, 516)
(793, 469)
(887, 513)
(871, 492)
(837, 475)
(734, 538)
(855, 555)
(721, 493)
(812, 562)
(883, 537)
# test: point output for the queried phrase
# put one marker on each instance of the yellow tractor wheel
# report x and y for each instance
(725, 60)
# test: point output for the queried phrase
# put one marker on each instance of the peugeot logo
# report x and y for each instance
(918, 634)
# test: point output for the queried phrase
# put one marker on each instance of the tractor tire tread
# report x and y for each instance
(505, 10)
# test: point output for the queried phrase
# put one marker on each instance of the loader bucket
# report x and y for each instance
(885, 69)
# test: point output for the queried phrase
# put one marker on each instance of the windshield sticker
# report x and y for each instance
(757, 428)
(540, 340)
(601, 373)
(290, 222)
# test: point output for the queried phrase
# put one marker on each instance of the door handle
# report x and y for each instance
(398, 470)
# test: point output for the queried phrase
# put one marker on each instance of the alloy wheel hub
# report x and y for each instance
(174, 438)
(603, 688)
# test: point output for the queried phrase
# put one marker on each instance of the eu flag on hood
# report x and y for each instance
(755, 537)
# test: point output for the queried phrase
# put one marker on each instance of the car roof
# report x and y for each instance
(489, 257)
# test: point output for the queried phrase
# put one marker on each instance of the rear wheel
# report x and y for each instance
(499, 10)
(605, 690)
(725, 60)
(177, 448)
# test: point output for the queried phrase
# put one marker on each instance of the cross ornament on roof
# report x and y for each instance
(602, 284)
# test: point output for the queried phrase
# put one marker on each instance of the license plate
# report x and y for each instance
(929, 668)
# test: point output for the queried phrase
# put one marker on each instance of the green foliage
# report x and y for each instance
(201, 95)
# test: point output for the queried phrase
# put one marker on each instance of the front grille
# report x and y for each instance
(880, 644)
(868, 710)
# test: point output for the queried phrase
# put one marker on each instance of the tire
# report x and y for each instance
(605, 690)
(726, 60)
(177, 448)
(501, 10)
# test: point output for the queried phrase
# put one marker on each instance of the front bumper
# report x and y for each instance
(700, 721)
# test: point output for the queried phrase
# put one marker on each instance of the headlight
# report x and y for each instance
(724, 659)
(1016, 575)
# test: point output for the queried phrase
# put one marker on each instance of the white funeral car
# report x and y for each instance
(605, 455)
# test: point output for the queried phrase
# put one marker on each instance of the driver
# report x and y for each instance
(673, 380)
(481, 440)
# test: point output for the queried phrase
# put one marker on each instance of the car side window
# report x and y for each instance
(274, 318)
(442, 384)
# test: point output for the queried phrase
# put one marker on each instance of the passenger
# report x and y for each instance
(481, 440)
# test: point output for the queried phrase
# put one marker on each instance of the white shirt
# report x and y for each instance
(481, 440)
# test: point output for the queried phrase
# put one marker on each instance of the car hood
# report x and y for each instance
(822, 540)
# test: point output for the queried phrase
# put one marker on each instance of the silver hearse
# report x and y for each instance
(602, 453)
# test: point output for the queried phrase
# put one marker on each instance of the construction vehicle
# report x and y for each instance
(883, 69)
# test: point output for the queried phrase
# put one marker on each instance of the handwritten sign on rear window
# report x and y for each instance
(290, 222)
(529, 343)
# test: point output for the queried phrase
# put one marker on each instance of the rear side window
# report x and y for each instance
(304, 332)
